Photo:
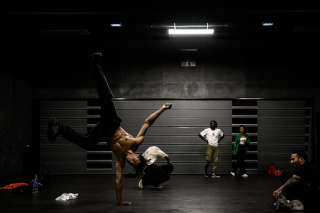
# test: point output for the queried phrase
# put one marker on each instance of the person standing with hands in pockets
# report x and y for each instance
(212, 136)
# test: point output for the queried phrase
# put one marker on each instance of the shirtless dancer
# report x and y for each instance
(122, 143)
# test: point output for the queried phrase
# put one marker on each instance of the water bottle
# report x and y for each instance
(35, 184)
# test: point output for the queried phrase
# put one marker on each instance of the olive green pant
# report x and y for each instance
(212, 156)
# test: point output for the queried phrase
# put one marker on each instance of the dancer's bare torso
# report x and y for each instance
(121, 141)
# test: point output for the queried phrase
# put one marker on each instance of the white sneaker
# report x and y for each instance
(215, 176)
(233, 174)
(244, 175)
(297, 205)
(140, 185)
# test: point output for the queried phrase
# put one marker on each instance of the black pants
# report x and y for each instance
(296, 191)
(240, 164)
(155, 175)
(109, 120)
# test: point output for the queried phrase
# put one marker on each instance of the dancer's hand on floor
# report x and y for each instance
(125, 203)
(167, 105)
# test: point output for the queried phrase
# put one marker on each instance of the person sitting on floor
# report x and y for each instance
(297, 187)
(152, 174)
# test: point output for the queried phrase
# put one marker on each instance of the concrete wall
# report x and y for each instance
(227, 68)
(15, 124)
(274, 68)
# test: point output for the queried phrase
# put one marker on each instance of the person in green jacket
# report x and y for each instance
(239, 150)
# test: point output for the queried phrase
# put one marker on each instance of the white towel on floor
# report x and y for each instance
(67, 196)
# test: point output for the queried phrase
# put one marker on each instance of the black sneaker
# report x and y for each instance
(53, 130)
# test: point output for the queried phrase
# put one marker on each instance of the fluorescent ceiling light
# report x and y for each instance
(189, 50)
(191, 31)
(116, 25)
(267, 24)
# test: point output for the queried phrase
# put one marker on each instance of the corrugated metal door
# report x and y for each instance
(176, 131)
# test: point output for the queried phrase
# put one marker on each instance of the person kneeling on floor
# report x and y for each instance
(151, 173)
(297, 187)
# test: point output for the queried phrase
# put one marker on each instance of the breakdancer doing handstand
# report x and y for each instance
(122, 143)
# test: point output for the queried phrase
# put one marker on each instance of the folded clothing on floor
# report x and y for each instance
(67, 196)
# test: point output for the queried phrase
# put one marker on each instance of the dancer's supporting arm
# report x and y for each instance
(119, 167)
(147, 123)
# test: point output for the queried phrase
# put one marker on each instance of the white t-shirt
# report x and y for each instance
(152, 153)
(243, 140)
(213, 136)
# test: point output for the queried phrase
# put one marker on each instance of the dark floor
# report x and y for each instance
(183, 193)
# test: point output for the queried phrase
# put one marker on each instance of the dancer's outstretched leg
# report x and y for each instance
(56, 128)
(109, 120)
(96, 63)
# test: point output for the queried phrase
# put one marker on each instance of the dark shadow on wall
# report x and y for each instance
(15, 126)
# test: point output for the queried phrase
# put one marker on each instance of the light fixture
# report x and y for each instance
(189, 50)
(190, 30)
(116, 25)
(267, 24)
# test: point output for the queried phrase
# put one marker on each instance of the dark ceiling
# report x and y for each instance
(53, 32)
(233, 20)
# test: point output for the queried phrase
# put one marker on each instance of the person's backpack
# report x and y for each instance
(277, 173)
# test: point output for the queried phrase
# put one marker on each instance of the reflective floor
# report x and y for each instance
(182, 194)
